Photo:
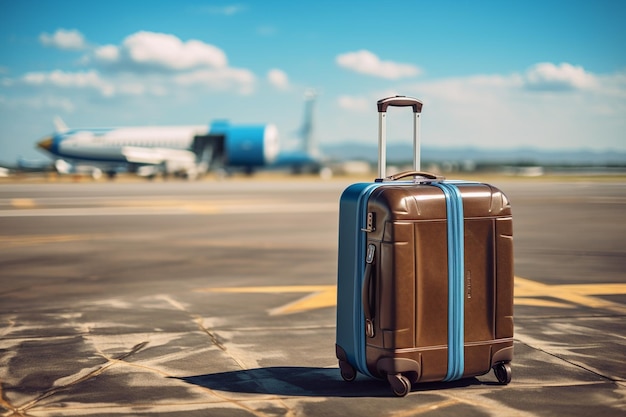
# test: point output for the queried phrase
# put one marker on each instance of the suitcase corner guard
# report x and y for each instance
(394, 366)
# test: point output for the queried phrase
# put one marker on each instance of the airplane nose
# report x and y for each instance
(45, 144)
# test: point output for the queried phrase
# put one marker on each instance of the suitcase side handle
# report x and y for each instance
(399, 101)
(366, 290)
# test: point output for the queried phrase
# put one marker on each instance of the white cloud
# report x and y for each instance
(219, 79)
(169, 52)
(355, 103)
(548, 106)
(89, 80)
(144, 64)
(64, 39)
(499, 111)
(611, 85)
(365, 62)
(278, 79)
(146, 55)
(107, 53)
(540, 79)
(39, 102)
(564, 77)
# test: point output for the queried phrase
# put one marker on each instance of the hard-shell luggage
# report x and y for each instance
(425, 275)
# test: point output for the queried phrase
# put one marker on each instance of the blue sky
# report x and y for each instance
(504, 74)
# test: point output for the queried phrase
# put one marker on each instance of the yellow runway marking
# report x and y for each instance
(29, 207)
(269, 289)
(23, 203)
(527, 292)
(16, 241)
(576, 294)
(537, 302)
(319, 296)
(325, 297)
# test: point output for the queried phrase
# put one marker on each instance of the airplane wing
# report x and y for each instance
(155, 156)
(166, 160)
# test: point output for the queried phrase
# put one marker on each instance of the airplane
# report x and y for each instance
(25, 166)
(187, 151)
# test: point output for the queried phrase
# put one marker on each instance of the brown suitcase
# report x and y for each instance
(420, 321)
(408, 289)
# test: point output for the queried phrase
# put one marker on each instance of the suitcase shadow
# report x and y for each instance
(307, 382)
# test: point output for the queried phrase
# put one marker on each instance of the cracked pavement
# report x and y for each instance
(125, 313)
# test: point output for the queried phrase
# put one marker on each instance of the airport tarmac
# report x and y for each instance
(218, 299)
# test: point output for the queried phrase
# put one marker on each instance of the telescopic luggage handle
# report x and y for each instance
(397, 101)
(400, 101)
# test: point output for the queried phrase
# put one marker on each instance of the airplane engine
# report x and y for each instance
(248, 146)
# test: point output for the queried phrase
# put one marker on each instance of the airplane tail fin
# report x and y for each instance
(306, 131)
(59, 125)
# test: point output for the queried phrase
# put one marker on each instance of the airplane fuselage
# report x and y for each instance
(189, 149)
(107, 145)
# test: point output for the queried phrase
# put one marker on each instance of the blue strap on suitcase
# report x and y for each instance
(456, 294)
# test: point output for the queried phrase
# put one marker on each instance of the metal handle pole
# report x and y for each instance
(416, 142)
(382, 145)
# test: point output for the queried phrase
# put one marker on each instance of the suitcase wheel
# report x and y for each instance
(348, 373)
(503, 372)
(400, 384)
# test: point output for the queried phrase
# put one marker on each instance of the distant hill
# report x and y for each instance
(401, 153)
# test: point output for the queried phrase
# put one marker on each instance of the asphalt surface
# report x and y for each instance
(218, 299)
